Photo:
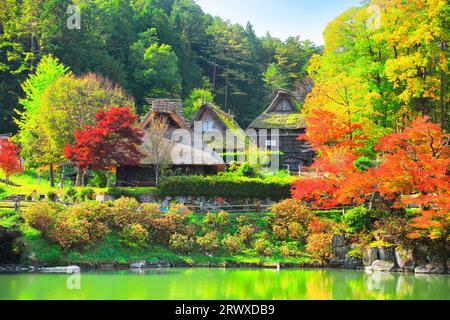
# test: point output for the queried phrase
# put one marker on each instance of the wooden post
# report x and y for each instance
(17, 204)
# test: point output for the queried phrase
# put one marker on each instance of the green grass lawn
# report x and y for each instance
(29, 182)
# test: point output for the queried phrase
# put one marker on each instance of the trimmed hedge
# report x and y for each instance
(225, 186)
(128, 192)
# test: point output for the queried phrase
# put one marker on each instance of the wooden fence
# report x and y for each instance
(18, 203)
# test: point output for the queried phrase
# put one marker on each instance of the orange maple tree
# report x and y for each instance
(413, 170)
(336, 141)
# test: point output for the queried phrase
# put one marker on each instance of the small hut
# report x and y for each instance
(164, 117)
(284, 114)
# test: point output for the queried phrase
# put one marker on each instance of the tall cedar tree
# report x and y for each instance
(113, 141)
(9, 159)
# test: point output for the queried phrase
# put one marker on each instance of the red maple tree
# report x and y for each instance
(9, 159)
(113, 141)
(413, 170)
(336, 142)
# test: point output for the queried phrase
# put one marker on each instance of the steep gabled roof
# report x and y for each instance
(168, 107)
(283, 113)
(225, 119)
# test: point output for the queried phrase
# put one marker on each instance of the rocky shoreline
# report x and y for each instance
(420, 259)
(377, 266)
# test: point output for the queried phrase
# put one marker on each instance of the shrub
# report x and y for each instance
(164, 224)
(232, 243)
(70, 232)
(209, 243)
(393, 228)
(318, 225)
(210, 219)
(223, 218)
(99, 179)
(77, 227)
(70, 195)
(358, 219)
(86, 194)
(319, 246)
(97, 217)
(124, 211)
(288, 249)
(52, 196)
(245, 232)
(291, 220)
(225, 186)
(263, 247)
(246, 170)
(181, 244)
(134, 235)
(41, 216)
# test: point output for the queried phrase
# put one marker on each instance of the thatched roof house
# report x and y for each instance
(160, 148)
(212, 118)
(284, 114)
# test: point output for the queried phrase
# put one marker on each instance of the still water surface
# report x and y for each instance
(226, 284)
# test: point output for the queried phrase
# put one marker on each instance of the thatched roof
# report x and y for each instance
(170, 108)
(283, 113)
(223, 119)
(226, 120)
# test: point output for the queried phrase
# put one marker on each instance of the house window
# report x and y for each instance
(271, 143)
(207, 125)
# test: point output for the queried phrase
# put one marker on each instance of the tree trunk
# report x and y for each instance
(83, 178)
(226, 86)
(157, 175)
(52, 175)
(78, 178)
(214, 78)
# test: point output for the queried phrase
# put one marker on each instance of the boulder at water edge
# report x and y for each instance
(69, 269)
(384, 266)
(405, 258)
(430, 268)
(370, 257)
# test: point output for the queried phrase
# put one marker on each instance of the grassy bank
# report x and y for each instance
(112, 249)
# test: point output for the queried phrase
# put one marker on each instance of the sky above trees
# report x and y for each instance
(283, 18)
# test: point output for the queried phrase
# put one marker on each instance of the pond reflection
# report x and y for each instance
(228, 284)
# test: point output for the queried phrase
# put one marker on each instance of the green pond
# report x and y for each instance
(225, 284)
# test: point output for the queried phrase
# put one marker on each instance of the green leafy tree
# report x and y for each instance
(70, 103)
(195, 101)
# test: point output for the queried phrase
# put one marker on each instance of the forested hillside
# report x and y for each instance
(151, 48)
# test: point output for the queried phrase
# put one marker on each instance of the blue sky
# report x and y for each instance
(282, 18)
